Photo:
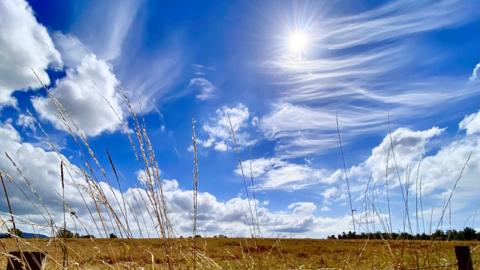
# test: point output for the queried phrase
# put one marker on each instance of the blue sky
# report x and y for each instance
(282, 71)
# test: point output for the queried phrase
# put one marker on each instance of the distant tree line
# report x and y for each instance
(466, 234)
(12, 232)
(61, 233)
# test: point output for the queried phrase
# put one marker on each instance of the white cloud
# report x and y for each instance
(71, 48)
(275, 173)
(475, 71)
(26, 121)
(25, 45)
(230, 217)
(149, 77)
(88, 92)
(89, 95)
(219, 131)
(110, 29)
(40, 167)
(395, 19)
(439, 169)
(303, 130)
(329, 193)
(204, 88)
(221, 146)
(409, 147)
(471, 123)
(362, 84)
(105, 26)
(260, 166)
(325, 209)
(303, 208)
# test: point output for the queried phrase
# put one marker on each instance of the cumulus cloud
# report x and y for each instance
(25, 45)
(409, 147)
(89, 95)
(471, 123)
(441, 170)
(219, 131)
(231, 218)
(438, 167)
(41, 168)
(71, 48)
(88, 92)
(412, 155)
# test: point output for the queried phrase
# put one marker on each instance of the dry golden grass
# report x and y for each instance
(240, 253)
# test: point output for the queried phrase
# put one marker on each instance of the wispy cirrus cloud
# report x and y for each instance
(394, 20)
(475, 71)
(362, 67)
(114, 32)
(204, 88)
(105, 26)
(275, 173)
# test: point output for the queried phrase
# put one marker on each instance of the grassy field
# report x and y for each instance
(241, 253)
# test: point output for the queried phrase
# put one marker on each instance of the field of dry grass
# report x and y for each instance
(240, 253)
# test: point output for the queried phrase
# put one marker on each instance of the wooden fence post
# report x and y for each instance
(464, 260)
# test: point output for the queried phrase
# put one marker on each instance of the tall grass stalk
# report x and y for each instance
(447, 203)
(392, 146)
(195, 194)
(345, 172)
(390, 228)
(65, 246)
(253, 215)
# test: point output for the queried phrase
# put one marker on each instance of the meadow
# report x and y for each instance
(243, 253)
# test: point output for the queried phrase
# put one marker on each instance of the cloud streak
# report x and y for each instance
(362, 67)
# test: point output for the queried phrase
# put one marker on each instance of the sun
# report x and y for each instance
(297, 43)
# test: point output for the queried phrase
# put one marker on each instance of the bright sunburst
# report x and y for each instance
(297, 43)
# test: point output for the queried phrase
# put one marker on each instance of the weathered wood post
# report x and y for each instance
(464, 260)
(26, 260)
